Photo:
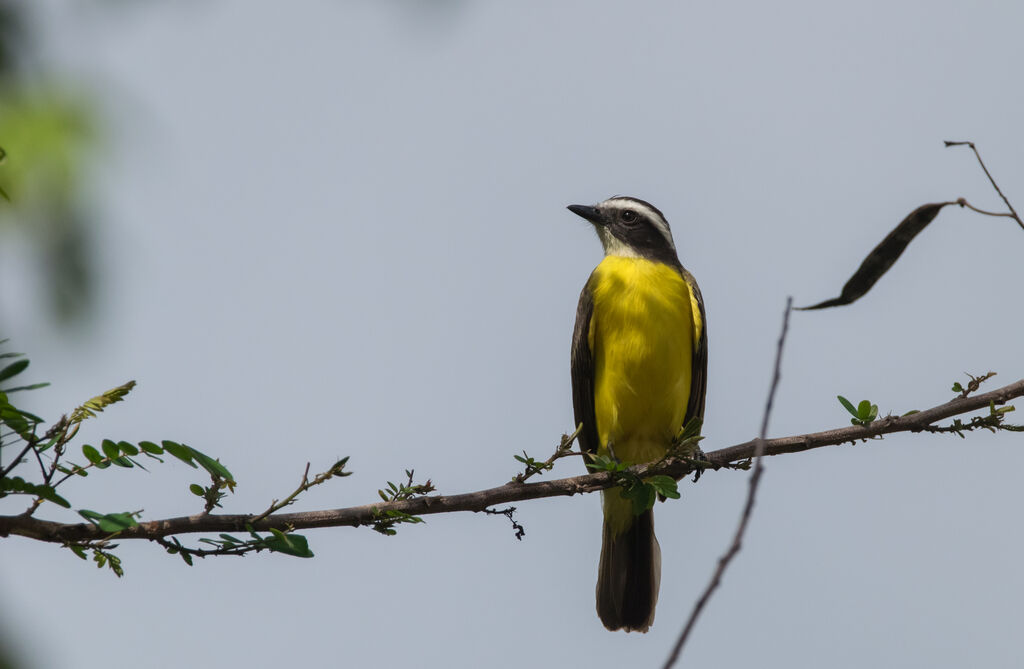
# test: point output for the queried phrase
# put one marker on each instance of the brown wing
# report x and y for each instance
(699, 364)
(582, 364)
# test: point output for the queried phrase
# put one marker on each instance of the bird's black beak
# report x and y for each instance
(589, 213)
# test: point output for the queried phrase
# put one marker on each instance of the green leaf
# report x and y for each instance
(110, 449)
(957, 388)
(41, 448)
(197, 490)
(34, 386)
(230, 539)
(91, 454)
(603, 463)
(127, 448)
(150, 447)
(15, 419)
(49, 494)
(13, 484)
(339, 466)
(100, 402)
(211, 465)
(109, 522)
(665, 485)
(183, 453)
(643, 497)
(13, 369)
(691, 429)
(847, 404)
(863, 409)
(78, 550)
(289, 544)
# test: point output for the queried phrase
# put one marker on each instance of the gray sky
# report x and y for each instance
(339, 229)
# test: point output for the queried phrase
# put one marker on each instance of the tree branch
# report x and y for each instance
(44, 530)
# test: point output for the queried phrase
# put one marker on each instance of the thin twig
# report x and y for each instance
(964, 203)
(741, 528)
(991, 180)
(277, 506)
(33, 442)
(238, 549)
(563, 450)
(18, 458)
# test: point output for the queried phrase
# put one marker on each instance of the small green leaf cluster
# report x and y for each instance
(337, 469)
(386, 520)
(994, 421)
(407, 490)
(688, 438)
(100, 555)
(863, 414)
(277, 541)
(123, 454)
(606, 463)
(642, 492)
(97, 404)
(20, 423)
(23, 447)
(533, 466)
(18, 485)
(972, 385)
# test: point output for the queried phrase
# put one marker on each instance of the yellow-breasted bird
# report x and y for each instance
(639, 373)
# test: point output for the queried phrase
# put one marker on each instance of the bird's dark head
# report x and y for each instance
(631, 228)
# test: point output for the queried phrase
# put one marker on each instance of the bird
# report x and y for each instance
(639, 375)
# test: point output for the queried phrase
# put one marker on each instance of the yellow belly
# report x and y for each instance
(642, 333)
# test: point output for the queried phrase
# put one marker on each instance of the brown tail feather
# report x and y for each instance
(628, 576)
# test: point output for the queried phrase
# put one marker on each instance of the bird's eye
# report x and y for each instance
(628, 216)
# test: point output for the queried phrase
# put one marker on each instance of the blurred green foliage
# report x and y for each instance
(46, 136)
(48, 133)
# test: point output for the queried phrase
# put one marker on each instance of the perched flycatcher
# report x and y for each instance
(639, 372)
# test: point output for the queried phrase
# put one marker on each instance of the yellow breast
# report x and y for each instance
(644, 326)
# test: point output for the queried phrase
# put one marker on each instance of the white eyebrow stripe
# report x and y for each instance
(657, 219)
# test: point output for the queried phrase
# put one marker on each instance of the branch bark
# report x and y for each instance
(51, 531)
